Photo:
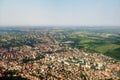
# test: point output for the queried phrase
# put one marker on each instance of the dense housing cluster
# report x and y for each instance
(53, 54)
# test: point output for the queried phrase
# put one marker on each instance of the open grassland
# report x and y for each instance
(100, 42)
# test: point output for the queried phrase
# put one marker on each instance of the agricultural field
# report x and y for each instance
(105, 41)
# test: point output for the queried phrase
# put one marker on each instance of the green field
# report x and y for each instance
(107, 43)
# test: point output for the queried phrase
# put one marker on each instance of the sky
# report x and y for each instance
(60, 12)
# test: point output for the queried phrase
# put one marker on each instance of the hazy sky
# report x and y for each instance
(60, 12)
